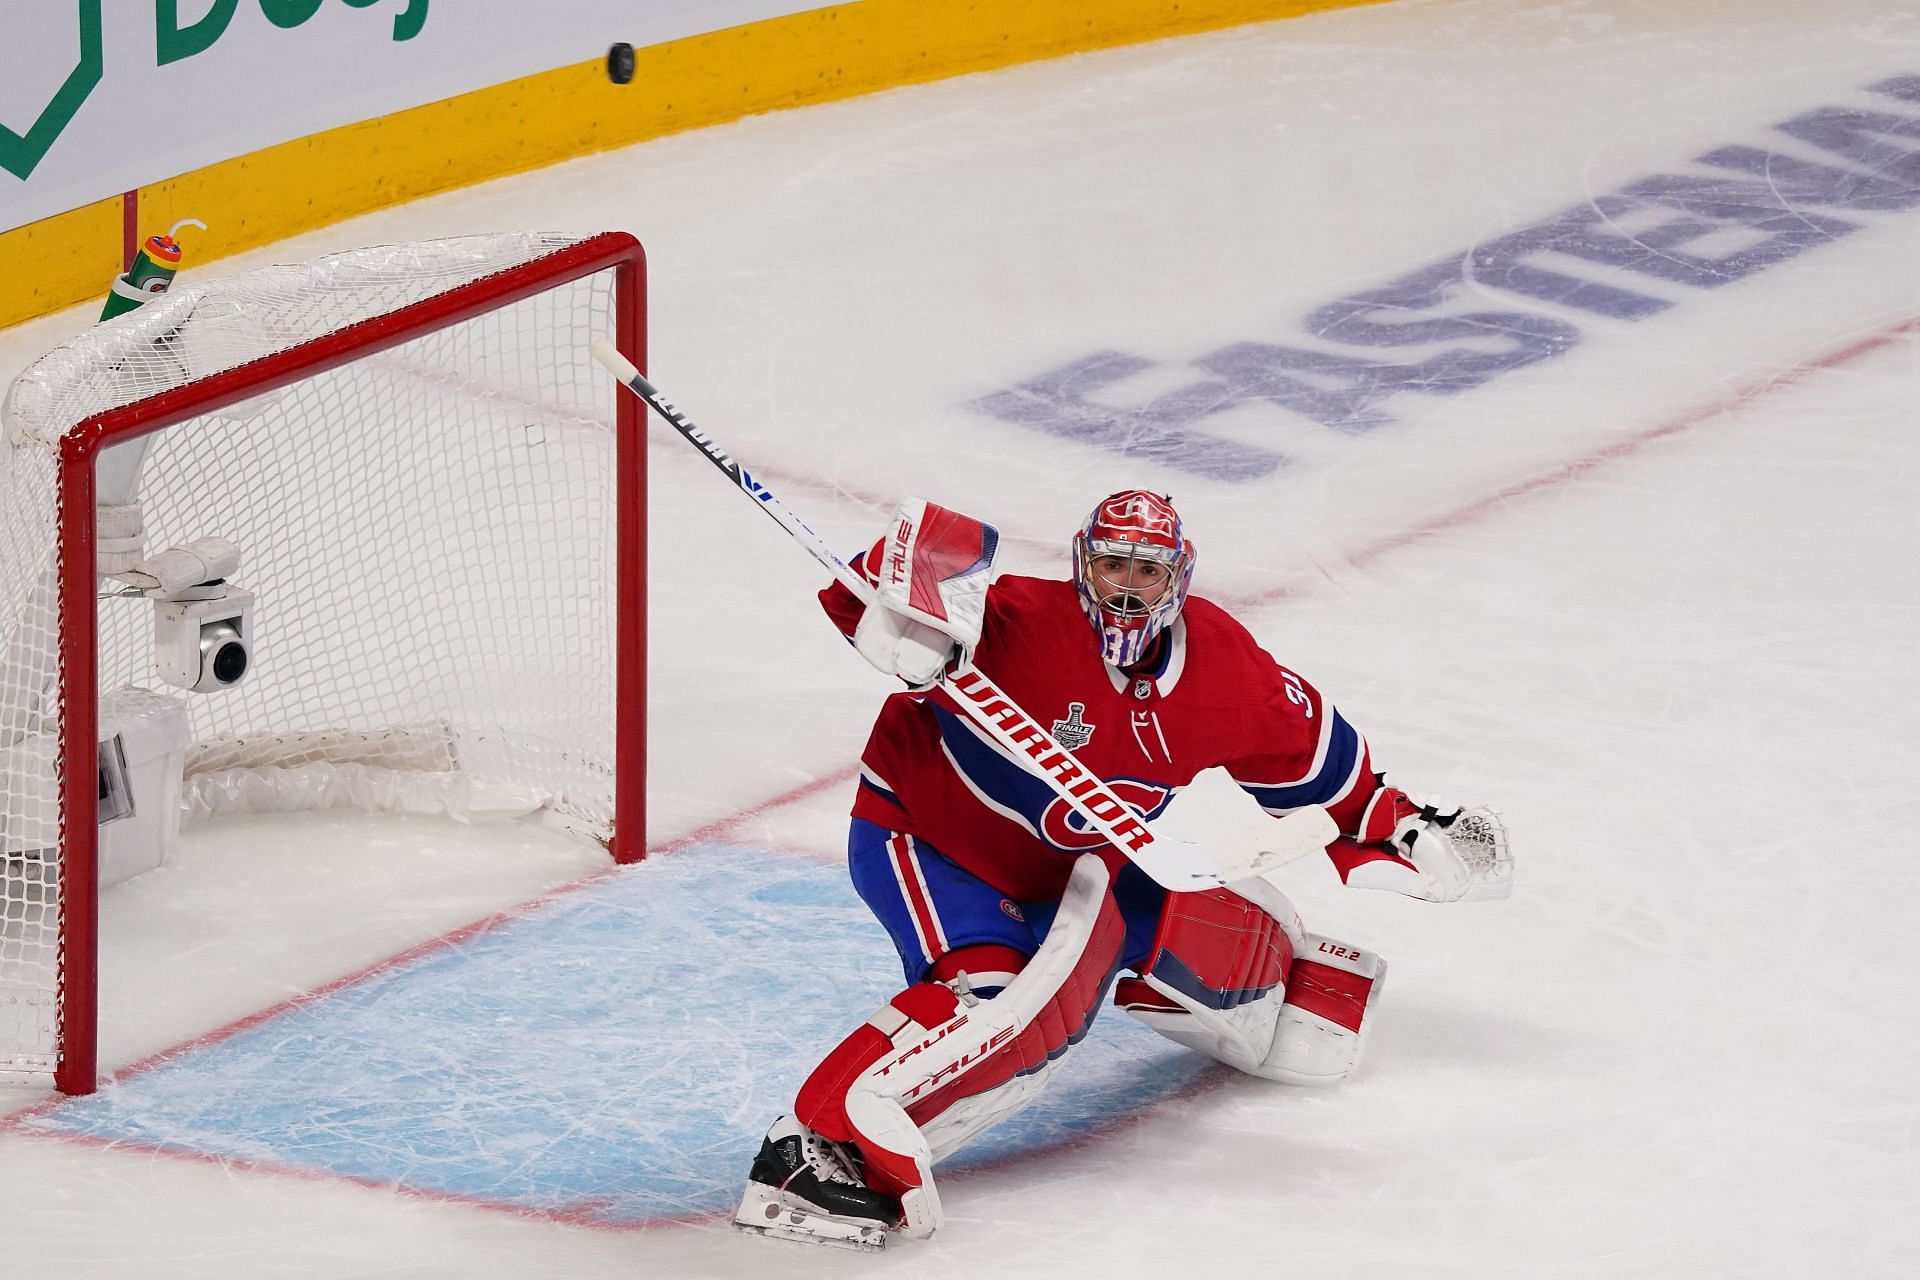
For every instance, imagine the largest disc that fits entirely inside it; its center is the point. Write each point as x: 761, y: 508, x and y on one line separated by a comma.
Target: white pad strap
x: 119, y: 536
x: 947, y: 1084
x: 1241, y: 1037
x: 900, y: 646
x: 178, y: 569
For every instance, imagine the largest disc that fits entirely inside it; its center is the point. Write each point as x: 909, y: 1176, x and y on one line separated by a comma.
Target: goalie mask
x: 1131, y: 564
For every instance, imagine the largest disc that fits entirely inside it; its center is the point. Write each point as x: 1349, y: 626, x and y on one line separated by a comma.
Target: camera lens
x: 230, y: 663
x: 223, y: 653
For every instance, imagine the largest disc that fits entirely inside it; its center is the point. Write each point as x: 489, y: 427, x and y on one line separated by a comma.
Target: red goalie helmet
x: 1131, y: 565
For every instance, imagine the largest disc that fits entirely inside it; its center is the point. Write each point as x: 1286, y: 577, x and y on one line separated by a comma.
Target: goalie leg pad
x: 931, y: 1070
x: 1225, y: 947
x: 1233, y: 975
x: 1323, y: 1023
x: 1214, y: 977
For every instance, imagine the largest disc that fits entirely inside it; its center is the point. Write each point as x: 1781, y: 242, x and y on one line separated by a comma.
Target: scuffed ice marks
x: 612, y: 1056
x: 1629, y: 255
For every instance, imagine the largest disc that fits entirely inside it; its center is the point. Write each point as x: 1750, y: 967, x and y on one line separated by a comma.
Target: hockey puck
x: 620, y: 63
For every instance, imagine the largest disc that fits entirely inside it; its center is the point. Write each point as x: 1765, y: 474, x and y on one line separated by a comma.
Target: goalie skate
x: 769, y: 1211
x: 803, y: 1187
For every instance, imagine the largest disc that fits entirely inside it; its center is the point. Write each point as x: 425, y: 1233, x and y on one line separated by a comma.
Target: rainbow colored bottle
x: 151, y: 274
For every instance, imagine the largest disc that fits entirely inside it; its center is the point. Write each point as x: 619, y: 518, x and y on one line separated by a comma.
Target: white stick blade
x: 1179, y: 865
x: 1304, y: 831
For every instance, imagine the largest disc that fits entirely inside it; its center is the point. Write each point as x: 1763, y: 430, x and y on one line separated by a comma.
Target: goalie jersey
x: 1209, y: 696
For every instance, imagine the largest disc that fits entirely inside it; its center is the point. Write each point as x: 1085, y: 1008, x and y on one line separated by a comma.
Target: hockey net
x: 439, y: 504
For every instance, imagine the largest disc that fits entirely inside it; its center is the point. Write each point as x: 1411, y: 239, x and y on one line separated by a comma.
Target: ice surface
x: 590, y: 1060
x: 1649, y: 591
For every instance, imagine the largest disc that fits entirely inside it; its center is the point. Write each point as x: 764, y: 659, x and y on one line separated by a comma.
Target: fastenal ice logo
x: 1364, y: 360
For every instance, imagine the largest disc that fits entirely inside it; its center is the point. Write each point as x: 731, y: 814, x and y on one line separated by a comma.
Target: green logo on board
x: 21, y: 153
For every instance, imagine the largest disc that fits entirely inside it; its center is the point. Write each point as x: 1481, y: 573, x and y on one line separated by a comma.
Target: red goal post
x: 438, y: 500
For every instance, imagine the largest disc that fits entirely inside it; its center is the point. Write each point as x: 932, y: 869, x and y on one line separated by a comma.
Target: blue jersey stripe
x: 992, y: 774
x: 869, y: 784
x: 1327, y: 782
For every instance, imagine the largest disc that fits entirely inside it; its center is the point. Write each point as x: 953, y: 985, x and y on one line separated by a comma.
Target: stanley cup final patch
x: 1073, y: 733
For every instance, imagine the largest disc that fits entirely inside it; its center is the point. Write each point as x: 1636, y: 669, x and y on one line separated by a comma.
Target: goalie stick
x: 1174, y: 864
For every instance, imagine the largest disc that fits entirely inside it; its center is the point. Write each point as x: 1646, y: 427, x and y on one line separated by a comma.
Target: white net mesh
x: 29, y: 815
x: 430, y: 532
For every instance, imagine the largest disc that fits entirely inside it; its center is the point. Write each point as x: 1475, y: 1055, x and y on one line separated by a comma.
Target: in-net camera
x: 202, y: 623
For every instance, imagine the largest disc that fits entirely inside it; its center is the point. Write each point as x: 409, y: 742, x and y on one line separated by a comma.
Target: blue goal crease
x: 615, y: 1054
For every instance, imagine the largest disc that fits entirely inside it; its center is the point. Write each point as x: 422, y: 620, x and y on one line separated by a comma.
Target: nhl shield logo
x: 1073, y: 732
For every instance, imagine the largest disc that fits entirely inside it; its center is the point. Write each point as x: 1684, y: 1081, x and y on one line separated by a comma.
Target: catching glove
x: 1454, y: 854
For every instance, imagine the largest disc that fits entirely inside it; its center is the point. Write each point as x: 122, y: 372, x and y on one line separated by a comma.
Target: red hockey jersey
x: 1214, y: 697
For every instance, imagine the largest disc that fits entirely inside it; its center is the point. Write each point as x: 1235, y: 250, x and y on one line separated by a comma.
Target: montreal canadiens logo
x: 1140, y: 511
x: 1064, y: 829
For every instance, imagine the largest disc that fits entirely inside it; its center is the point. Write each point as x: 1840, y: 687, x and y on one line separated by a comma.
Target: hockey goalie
x: 1015, y: 920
